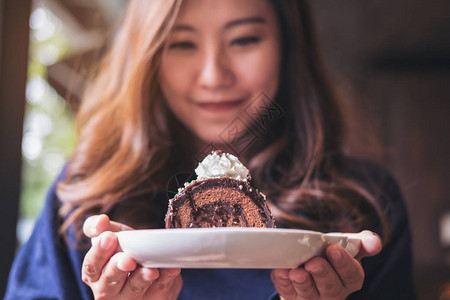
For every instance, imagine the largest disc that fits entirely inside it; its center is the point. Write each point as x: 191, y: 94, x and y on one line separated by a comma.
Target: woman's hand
x: 333, y: 278
x: 113, y: 275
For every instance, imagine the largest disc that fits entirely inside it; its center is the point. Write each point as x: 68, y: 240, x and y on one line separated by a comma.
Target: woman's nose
x: 215, y: 70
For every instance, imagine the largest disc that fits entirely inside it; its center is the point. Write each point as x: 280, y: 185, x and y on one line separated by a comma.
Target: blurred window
x: 48, y: 135
x: 66, y: 39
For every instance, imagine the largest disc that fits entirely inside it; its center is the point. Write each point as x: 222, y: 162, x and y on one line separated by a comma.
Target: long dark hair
x: 129, y: 142
x: 302, y: 165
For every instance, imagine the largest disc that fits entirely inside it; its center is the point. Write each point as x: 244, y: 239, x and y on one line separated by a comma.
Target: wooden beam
x: 14, y: 38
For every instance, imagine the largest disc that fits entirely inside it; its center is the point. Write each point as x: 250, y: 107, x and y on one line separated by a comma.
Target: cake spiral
x: 221, y: 196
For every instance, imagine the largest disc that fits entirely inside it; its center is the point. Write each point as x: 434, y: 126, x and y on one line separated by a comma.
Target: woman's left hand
x: 332, y: 278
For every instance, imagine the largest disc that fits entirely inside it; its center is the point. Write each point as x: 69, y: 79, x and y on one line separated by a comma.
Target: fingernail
x: 316, y: 269
x: 336, y: 255
x: 283, y: 274
x: 106, y: 242
x: 301, y: 279
x: 122, y: 266
x: 376, y: 235
x: 124, y: 262
x: 93, y: 228
x: 147, y: 276
x: 174, y: 272
x: 96, y: 223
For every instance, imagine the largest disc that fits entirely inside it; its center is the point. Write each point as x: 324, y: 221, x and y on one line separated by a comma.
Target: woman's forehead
x: 224, y: 13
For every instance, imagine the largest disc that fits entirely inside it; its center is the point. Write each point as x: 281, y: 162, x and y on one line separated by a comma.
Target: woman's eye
x: 244, y: 41
x: 182, y: 45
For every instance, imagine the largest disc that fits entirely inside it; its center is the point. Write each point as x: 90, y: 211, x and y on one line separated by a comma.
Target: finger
x: 114, y: 274
x: 116, y: 227
x: 95, y: 225
x: 162, y: 287
x: 282, y: 283
x: 101, y: 251
x: 370, y: 244
x: 303, y: 284
x: 327, y: 281
x: 348, y: 269
x: 176, y: 288
x: 138, y: 282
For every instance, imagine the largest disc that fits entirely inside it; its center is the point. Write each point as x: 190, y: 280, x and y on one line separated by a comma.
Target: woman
x: 185, y: 76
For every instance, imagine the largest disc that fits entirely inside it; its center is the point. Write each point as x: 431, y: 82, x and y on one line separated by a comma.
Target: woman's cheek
x: 260, y: 71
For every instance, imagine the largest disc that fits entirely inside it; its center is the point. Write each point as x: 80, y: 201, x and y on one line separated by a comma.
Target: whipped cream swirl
x: 218, y: 164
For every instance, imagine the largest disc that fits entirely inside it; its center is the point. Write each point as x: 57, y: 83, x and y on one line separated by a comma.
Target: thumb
x: 95, y: 225
x: 370, y: 244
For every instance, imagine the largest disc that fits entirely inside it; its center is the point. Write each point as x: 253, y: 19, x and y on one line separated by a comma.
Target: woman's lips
x: 219, y: 106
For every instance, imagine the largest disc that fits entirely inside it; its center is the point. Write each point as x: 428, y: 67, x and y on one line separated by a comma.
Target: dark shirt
x: 46, y: 267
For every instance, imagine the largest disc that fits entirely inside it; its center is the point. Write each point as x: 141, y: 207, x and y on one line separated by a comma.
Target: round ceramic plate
x: 231, y: 247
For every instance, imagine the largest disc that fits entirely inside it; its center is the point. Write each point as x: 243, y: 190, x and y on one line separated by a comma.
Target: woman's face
x: 218, y: 59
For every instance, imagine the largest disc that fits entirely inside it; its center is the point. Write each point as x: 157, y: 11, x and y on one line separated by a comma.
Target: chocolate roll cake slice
x: 221, y: 196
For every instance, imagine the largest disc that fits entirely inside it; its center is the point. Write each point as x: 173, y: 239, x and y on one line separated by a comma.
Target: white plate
x: 230, y: 247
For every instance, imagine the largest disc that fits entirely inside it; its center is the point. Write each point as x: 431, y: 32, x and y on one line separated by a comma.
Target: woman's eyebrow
x: 250, y: 20
x: 182, y: 27
x: 242, y: 21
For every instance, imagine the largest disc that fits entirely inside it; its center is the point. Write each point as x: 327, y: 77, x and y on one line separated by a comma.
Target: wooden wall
x: 14, y: 15
x: 396, y: 57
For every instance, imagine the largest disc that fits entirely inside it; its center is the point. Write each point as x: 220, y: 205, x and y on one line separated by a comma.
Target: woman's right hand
x: 113, y: 275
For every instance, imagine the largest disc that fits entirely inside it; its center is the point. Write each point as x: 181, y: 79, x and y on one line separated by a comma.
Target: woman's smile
x: 220, y: 106
x: 219, y: 56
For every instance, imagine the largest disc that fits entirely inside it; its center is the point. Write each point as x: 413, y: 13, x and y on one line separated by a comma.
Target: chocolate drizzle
x: 218, y: 214
x: 205, y: 204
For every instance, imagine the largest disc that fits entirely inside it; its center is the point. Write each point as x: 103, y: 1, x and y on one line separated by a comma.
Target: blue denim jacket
x: 45, y: 267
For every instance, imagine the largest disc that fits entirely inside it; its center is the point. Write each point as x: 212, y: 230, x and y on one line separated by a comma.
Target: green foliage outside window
x: 49, y: 135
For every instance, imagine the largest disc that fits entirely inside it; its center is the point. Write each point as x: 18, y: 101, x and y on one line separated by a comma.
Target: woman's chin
x: 214, y: 142
x: 231, y: 138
